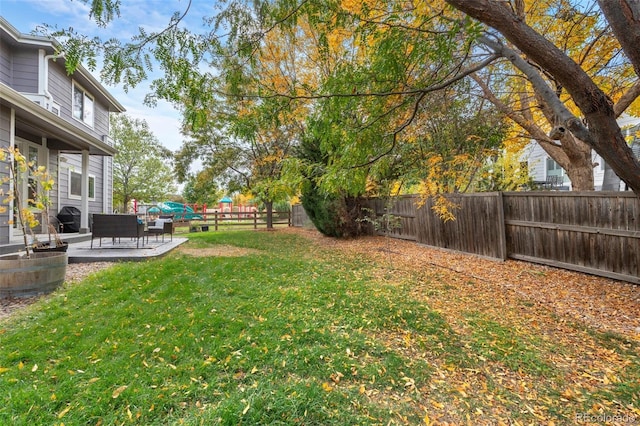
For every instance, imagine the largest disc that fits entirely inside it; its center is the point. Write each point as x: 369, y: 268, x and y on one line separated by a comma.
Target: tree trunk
x: 580, y: 165
x: 603, y: 132
x: 581, y: 178
x: 269, y: 206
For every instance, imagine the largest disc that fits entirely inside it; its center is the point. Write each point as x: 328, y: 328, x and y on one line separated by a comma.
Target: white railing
x: 44, y: 101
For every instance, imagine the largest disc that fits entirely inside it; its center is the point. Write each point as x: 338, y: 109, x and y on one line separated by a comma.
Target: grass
x: 288, y: 334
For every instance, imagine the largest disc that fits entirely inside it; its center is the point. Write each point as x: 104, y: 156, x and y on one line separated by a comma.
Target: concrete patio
x: 122, y: 250
x: 118, y: 250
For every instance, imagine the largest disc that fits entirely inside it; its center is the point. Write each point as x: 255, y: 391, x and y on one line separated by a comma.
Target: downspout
x: 45, y: 80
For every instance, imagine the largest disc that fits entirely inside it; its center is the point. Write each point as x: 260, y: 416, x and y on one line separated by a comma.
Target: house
x: 58, y: 120
x: 542, y: 168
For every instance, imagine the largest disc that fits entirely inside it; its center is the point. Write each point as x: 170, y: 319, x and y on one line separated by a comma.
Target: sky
x: 163, y: 120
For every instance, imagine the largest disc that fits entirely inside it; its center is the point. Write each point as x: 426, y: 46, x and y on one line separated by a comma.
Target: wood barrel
x: 23, y: 277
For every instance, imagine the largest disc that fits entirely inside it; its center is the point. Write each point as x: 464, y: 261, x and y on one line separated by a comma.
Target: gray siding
x: 6, y: 61
x: 52, y: 168
x: 25, y: 71
x: 61, y: 88
x: 101, y: 126
x: 108, y: 188
x: 5, y: 118
x: 74, y: 162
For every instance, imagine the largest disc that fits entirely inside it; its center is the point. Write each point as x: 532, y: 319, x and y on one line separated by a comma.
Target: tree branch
x: 542, y: 88
x: 627, y: 99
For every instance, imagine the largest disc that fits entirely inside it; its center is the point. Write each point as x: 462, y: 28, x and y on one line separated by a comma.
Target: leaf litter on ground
x: 545, y: 342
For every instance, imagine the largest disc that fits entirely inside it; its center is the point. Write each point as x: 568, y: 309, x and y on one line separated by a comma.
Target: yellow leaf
x: 437, y: 404
x: 3, y: 370
x: 20, y: 365
x: 34, y: 368
x: 246, y: 409
x: 327, y: 387
x: 63, y: 412
x: 117, y: 392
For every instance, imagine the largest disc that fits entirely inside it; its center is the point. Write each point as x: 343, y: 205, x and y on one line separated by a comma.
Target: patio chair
x: 160, y: 227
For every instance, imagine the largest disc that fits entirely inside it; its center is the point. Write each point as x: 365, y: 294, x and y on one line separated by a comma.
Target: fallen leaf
x: 63, y: 412
x: 116, y: 393
x: 327, y: 387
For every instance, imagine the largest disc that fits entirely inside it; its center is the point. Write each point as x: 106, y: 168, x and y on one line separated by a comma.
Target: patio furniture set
x: 129, y: 226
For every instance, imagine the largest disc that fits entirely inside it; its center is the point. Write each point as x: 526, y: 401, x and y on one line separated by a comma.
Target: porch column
x: 84, y: 191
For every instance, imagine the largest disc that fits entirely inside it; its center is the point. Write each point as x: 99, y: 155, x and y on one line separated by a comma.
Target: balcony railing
x: 44, y: 102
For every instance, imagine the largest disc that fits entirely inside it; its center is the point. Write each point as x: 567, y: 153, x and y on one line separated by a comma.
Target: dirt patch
x: 218, y: 251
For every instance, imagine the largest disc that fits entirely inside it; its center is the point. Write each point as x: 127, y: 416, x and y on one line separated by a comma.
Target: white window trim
x: 85, y: 93
x: 79, y: 197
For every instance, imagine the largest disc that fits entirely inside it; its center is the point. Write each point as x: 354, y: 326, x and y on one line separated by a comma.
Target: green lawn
x: 289, y: 333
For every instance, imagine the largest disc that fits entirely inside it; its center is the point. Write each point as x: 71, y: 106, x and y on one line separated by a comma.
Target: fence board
x: 478, y: 227
x: 593, y: 232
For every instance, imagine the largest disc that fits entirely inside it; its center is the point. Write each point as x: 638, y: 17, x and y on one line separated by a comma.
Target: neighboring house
x: 59, y: 120
x: 545, y: 171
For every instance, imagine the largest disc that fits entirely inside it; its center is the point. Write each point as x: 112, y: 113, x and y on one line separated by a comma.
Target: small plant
x: 385, y: 223
x: 42, y: 202
x: 18, y: 167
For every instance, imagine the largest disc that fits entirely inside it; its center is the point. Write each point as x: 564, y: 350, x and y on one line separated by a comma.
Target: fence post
x: 502, y: 226
x: 255, y: 220
x: 215, y: 220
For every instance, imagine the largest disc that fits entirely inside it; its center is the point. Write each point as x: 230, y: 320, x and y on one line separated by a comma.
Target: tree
x: 599, y: 128
x: 201, y: 188
x: 140, y: 169
x: 242, y: 155
x: 398, y: 52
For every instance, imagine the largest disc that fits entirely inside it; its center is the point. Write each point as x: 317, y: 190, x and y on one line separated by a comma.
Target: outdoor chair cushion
x: 160, y: 227
x: 159, y: 223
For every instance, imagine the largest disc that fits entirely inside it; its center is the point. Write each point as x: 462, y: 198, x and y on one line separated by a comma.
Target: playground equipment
x: 178, y: 210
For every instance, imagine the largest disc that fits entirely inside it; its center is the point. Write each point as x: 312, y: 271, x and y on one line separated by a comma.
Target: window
x: 555, y: 173
x: 553, y: 168
x: 75, y: 186
x: 82, y: 105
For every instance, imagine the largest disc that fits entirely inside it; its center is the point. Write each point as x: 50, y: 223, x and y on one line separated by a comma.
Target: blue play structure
x: 178, y: 210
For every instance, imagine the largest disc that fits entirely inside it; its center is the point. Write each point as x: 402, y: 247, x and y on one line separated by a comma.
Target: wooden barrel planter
x: 23, y: 277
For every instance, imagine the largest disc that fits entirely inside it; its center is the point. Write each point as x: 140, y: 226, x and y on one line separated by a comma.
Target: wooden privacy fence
x: 592, y: 232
